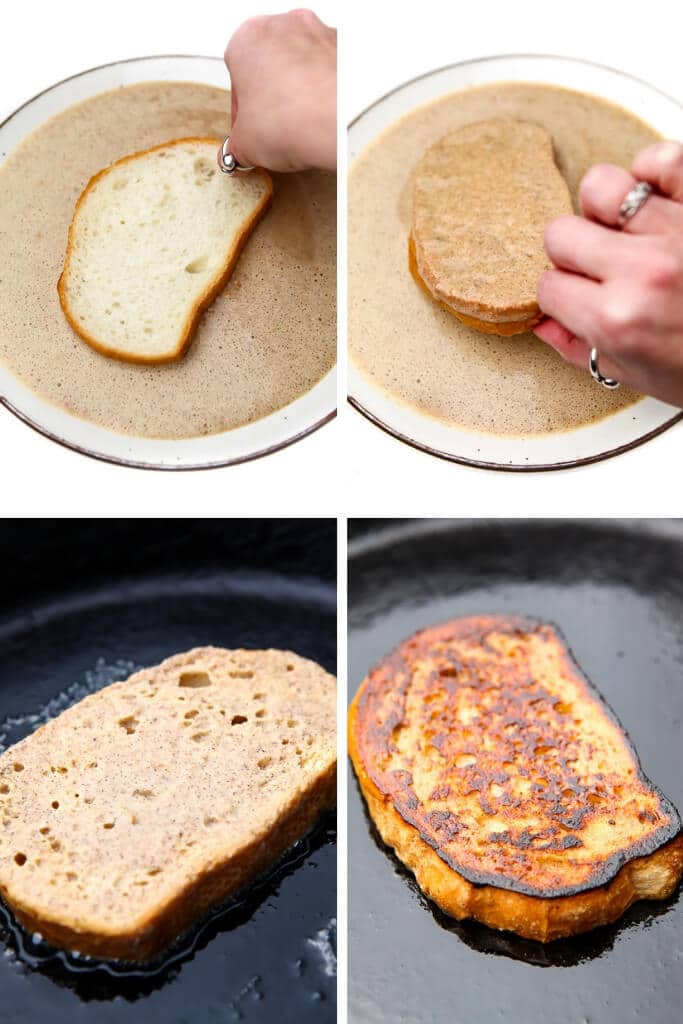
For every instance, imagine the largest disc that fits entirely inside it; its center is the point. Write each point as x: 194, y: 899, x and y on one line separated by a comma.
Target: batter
x: 265, y: 341
x: 423, y: 356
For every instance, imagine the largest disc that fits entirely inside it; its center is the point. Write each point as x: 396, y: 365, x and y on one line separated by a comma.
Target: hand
x: 621, y: 291
x: 283, y: 74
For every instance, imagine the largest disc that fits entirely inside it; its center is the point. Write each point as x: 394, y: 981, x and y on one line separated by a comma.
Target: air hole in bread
x: 154, y: 871
x: 238, y: 719
x: 129, y: 723
x: 464, y: 760
x: 146, y: 793
x: 198, y: 265
x: 18, y: 767
x: 191, y: 714
x: 290, y: 668
x: 291, y: 722
x: 543, y: 748
x: 108, y: 824
x: 209, y: 819
x: 263, y: 762
x: 4, y: 788
x: 194, y: 679
x: 241, y: 674
x: 20, y: 859
x: 197, y: 736
x: 44, y: 831
x: 55, y: 804
x: 260, y: 713
x: 120, y: 183
x: 259, y: 696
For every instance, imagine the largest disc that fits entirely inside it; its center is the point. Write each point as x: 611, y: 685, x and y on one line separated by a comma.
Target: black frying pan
x: 616, y: 590
x: 75, y: 592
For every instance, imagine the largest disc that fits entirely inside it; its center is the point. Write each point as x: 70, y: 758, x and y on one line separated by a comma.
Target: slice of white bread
x: 153, y: 240
x: 138, y: 809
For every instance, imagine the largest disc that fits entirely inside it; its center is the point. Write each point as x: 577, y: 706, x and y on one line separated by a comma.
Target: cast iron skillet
x: 616, y: 590
x: 80, y: 601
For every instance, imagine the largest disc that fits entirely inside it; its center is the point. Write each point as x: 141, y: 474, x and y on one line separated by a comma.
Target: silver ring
x: 634, y: 199
x: 228, y: 163
x: 607, y: 382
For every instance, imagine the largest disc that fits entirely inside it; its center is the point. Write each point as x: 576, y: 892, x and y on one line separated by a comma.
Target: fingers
x: 575, y: 350
x: 584, y: 247
x: 662, y: 165
x: 603, y: 190
x: 571, y: 299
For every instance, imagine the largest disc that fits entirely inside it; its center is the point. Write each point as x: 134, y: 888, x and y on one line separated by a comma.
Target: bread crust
x: 515, y: 908
x: 213, y: 289
x: 503, y: 328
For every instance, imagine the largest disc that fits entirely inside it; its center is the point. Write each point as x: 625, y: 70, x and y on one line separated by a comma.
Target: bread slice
x: 482, y: 198
x: 502, y: 779
x: 138, y: 809
x: 153, y: 240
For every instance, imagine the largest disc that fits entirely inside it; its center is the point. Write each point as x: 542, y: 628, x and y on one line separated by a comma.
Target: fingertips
x: 602, y: 192
x: 662, y: 165
x: 572, y: 349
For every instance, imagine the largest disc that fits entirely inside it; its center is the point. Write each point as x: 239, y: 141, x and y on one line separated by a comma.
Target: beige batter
x: 266, y: 340
x: 423, y: 356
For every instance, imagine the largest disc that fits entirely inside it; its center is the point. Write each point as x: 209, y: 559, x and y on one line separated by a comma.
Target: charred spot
x: 444, y: 822
x: 441, y: 792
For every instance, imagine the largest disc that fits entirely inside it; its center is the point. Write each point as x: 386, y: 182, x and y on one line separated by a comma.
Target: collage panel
x: 169, y: 295
x: 168, y: 770
x: 515, y: 261
x: 514, y: 848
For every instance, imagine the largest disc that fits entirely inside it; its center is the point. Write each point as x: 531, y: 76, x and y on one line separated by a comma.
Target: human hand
x: 283, y: 74
x: 621, y: 291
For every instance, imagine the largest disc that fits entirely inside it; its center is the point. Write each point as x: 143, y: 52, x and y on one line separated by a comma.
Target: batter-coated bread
x: 131, y: 814
x: 505, y: 783
x: 483, y: 196
x: 153, y: 240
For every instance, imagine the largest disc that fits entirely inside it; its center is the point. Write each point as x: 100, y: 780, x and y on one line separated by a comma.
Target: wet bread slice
x: 153, y: 240
x: 134, y: 812
x: 503, y: 780
x: 483, y: 196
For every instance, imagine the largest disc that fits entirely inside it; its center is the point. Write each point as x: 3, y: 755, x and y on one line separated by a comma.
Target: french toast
x: 482, y: 198
x: 148, y: 803
x: 505, y: 783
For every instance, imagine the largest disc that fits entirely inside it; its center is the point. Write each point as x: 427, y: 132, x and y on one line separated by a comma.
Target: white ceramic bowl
x: 619, y: 432
x: 266, y: 435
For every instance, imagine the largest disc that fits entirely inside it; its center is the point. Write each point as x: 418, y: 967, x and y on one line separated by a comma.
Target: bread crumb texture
x: 136, y: 810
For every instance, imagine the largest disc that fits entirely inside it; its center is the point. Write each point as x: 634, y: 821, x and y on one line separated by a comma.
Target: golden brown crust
x: 201, y: 894
x: 426, y: 839
x: 504, y: 329
x: 213, y: 289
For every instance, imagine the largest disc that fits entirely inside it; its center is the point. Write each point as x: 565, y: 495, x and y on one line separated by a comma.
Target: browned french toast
x: 505, y: 783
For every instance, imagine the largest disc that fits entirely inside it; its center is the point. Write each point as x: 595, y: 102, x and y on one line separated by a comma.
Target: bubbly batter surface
x: 266, y: 340
x: 423, y: 356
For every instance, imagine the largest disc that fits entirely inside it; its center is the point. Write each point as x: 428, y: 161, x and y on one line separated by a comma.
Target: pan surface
x: 616, y: 590
x: 82, y: 603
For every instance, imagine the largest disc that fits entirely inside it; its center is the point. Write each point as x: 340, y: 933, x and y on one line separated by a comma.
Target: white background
x: 382, y: 51
x: 40, y: 44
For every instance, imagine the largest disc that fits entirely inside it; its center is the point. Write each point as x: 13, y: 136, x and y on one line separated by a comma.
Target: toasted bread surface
x: 504, y: 781
x: 482, y: 198
x: 134, y: 812
x: 153, y: 240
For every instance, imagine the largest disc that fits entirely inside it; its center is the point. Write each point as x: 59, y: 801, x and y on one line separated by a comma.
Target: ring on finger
x: 633, y: 201
x: 607, y: 382
x: 229, y: 164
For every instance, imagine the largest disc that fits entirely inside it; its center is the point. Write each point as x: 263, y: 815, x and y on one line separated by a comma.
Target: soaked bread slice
x: 153, y: 240
x: 504, y: 782
x: 131, y: 814
x: 482, y: 198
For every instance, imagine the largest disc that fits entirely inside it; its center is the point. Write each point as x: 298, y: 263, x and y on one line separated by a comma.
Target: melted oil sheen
x: 419, y: 354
